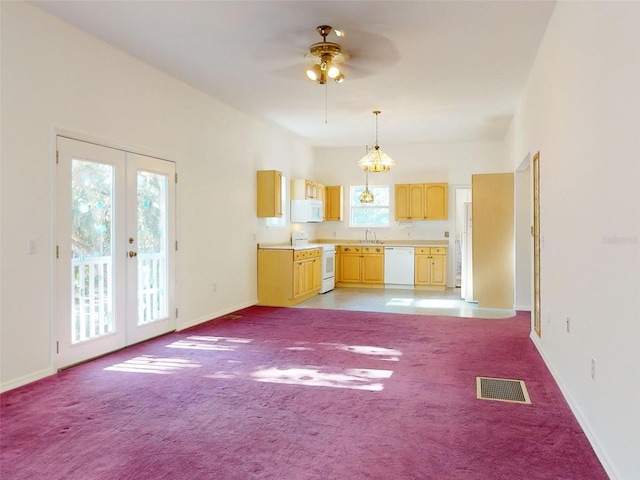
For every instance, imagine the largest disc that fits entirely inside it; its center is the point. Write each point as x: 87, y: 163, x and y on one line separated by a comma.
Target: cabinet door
x: 438, y: 270
x: 403, y: 209
x: 422, y: 270
x: 372, y: 268
x: 298, y: 278
x: 269, y: 193
x: 308, y: 274
x: 317, y: 274
x: 416, y: 201
x: 309, y: 189
x: 350, y: 267
x: 333, y: 203
x: 436, y: 200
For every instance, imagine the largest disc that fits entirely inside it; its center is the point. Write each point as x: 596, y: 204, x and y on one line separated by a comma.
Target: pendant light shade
x: 376, y: 160
x: 367, y: 195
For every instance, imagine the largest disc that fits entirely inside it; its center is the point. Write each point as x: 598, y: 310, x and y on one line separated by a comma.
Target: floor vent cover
x: 232, y: 316
x: 502, y: 390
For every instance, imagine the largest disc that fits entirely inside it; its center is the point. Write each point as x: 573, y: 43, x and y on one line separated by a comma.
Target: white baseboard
x: 211, y: 316
x: 523, y: 308
x: 32, y: 377
x: 608, y: 466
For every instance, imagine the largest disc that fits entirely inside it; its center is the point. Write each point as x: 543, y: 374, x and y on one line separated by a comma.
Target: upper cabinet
x: 302, y: 189
x: 333, y: 198
x: 421, y: 201
x: 269, y: 193
x: 435, y: 201
x: 409, y: 201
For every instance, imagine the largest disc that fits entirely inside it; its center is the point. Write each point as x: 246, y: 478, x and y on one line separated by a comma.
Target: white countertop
x: 286, y: 246
x: 422, y: 243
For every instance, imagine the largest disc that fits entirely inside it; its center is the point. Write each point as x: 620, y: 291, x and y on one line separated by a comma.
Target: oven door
x: 328, y: 263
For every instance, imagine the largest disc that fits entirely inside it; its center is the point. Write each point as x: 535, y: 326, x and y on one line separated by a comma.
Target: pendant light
x: 366, y: 196
x: 376, y: 160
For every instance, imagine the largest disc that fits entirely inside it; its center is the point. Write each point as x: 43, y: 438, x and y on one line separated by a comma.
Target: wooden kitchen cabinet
x: 409, y: 201
x: 436, y: 199
x: 333, y: 198
x: 431, y: 267
x: 302, y: 189
x: 421, y: 201
x: 362, y: 266
x: 269, y: 193
x: 287, y: 277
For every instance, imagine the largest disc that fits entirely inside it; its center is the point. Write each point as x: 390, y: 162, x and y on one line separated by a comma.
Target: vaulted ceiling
x: 439, y: 71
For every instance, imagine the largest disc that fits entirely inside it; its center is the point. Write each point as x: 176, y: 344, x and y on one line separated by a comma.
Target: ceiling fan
x: 327, y: 57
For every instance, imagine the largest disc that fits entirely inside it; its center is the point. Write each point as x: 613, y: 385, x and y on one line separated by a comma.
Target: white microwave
x: 306, y: 211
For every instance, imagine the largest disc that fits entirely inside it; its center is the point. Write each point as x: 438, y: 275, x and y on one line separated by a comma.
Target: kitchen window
x: 374, y: 214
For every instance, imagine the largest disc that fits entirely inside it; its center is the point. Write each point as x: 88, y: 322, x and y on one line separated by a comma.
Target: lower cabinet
x: 431, y: 267
x: 361, y: 266
x: 287, y: 277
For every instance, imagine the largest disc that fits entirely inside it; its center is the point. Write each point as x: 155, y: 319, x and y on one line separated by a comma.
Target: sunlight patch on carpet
x: 154, y: 365
x: 353, y: 378
x: 380, y: 353
x: 502, y: 390
x: 198, y: 342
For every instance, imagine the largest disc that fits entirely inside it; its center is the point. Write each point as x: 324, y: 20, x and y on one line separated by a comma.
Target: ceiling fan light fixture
x: 314, y: 73
x: 326, y: 55
x: 339, y: 78
x: 376, y: 160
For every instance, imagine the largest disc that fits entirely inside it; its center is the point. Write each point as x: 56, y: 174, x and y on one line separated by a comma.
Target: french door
x: 115, y: 250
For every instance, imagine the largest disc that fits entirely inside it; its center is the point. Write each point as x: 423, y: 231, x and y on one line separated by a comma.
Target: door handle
x: 133, y: 254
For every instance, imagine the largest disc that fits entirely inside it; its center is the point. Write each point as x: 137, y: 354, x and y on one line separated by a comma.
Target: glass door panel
x: 92, y: 253
x: 152, y: 247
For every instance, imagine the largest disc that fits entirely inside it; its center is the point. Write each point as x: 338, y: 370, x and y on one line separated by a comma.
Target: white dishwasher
x: 398, y: 266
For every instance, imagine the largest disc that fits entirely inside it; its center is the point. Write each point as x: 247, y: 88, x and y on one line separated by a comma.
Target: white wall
x: 57, y: 77
x: 581, y: 110
x: 427, y: 163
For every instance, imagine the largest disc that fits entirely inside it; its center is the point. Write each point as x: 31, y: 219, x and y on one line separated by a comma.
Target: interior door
x: 99, y: 293
x: 536, y: 244
x: 493, y: 239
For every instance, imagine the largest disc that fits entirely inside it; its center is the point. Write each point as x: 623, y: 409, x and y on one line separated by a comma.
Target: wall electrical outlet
x: 446, y: 234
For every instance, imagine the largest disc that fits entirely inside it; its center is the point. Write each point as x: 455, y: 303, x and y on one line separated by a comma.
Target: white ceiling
x: 440, y: 71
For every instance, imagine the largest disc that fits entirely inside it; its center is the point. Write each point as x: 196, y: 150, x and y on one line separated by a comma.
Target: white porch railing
x: 92, y: 279
x: 92, y: 314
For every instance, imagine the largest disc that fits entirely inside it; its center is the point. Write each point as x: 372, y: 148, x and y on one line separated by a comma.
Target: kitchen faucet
x: 366, y: 235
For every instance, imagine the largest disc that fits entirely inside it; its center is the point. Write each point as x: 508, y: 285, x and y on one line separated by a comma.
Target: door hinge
x: 176, y: 178
x: 176, y: 312
x: 57, y: 157
x: 57, y: 251
x: 57, y: 346
x: 176, y: 245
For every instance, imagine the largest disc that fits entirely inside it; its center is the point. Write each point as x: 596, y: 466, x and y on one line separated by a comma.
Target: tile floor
x: 410, y: 301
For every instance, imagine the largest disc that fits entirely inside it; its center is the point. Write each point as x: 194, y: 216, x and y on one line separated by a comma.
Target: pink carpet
x: 300, y: 394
